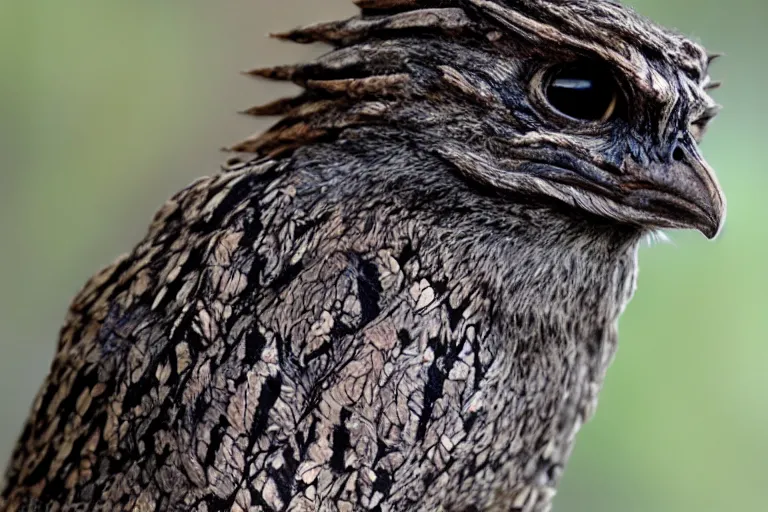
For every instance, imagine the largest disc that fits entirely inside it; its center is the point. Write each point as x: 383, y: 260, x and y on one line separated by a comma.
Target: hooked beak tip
x: 712, y: 224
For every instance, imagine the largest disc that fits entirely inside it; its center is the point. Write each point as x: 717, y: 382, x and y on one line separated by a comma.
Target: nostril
x: 678, y: 154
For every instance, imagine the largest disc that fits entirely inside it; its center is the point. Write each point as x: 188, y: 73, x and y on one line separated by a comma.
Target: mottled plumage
x: 407, y: 299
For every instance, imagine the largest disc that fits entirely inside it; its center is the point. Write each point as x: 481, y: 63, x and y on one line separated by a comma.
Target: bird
x: 404, y: 295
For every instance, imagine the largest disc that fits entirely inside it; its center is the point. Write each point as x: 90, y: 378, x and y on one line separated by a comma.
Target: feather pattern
x: 404, y: 294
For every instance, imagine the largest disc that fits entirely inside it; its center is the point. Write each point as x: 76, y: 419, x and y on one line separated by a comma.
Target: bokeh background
x: 107, y: 108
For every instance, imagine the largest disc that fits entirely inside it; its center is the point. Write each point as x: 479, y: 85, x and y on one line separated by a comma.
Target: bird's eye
x: 585, y: 91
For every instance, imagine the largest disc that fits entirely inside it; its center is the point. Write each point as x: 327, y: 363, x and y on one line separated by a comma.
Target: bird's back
x: 264, y: 347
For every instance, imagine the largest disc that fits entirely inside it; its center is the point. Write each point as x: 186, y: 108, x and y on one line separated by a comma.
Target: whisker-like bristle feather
x: 356, y: 29
x: 711, y: 57
x: 274, y: 73
x: 387, y: 4
x: 311, y: 121
x: 713, y: 85
x: 354, y: 61
x: 278, y: 107
x: 382, y: 85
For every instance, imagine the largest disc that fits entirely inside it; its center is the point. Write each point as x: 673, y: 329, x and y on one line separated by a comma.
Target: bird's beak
x: 681, y: 193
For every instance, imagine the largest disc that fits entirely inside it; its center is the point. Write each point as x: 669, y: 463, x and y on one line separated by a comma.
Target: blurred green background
x: 106, y: 108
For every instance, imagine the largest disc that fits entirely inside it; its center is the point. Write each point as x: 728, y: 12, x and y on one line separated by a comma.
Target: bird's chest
x: 534, y: 400
x: 475, y: 404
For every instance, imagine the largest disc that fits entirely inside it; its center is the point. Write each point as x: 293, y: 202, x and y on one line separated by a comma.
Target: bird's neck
x: 530, y: 289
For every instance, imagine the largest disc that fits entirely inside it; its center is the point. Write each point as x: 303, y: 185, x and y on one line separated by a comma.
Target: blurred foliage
x: 106, y: 108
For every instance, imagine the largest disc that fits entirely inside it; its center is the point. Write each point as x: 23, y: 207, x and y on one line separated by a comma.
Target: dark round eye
x: 585, y: 91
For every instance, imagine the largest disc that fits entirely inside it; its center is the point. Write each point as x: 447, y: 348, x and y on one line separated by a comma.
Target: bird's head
x: 582, y: 101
